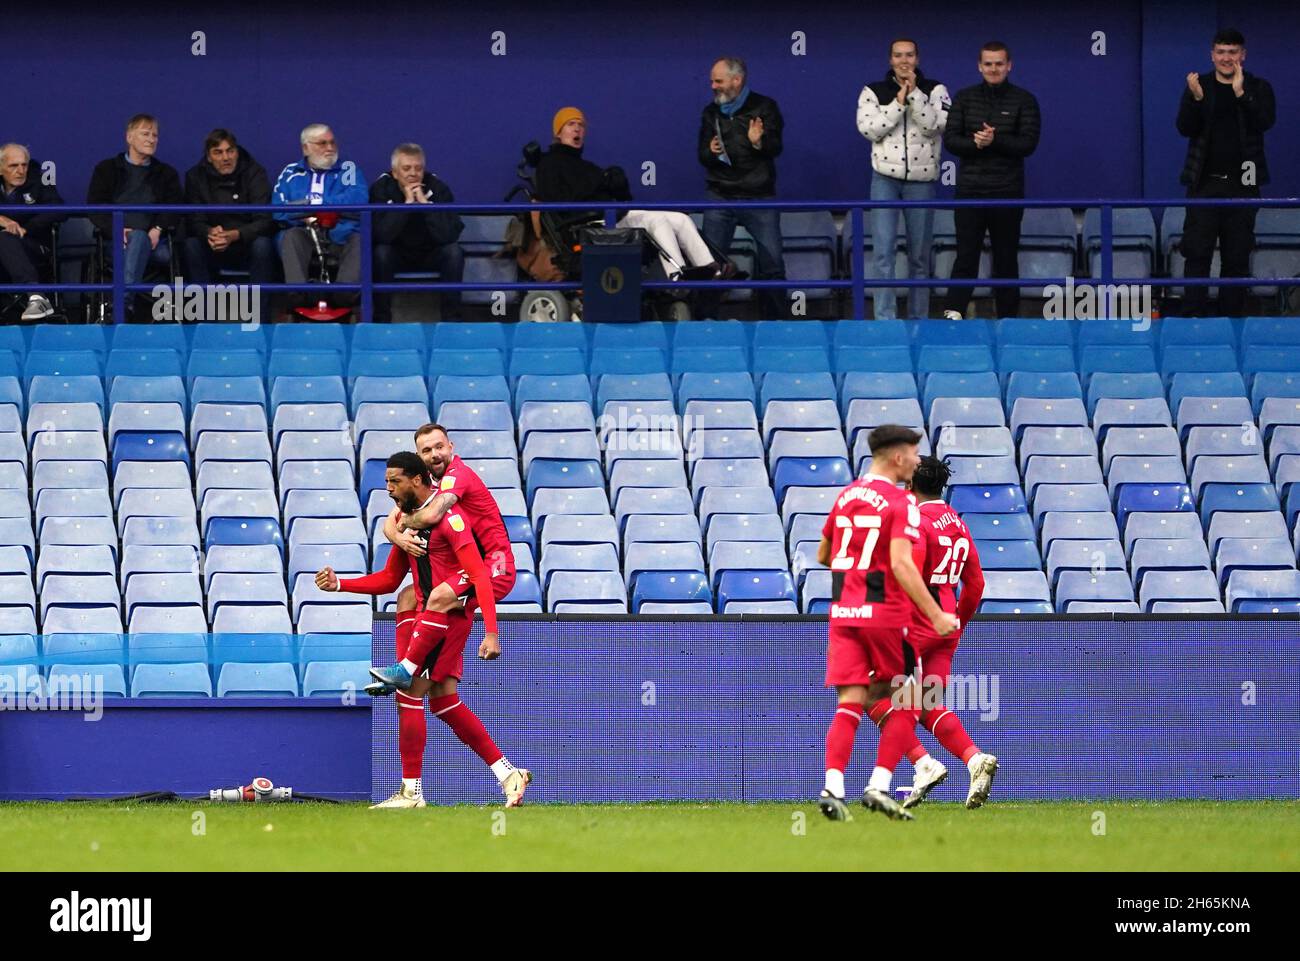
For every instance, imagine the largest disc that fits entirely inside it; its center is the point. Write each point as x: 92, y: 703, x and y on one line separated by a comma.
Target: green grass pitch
x: 1138, y: 836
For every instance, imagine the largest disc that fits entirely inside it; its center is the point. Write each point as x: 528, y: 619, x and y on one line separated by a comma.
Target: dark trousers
x: 19, y: 257
x: 259, y: 258
x: 764, y: 226
x: 1003, y: 227
x: 1234, y: 229
x: 448, y: 261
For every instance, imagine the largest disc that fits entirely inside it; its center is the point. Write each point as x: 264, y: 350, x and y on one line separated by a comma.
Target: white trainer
x: 514, y: 786
x: 924, y: 781
x: 401, y: 799
x: 982, y: 768
x: 38, y: 308
x: 952, y: 315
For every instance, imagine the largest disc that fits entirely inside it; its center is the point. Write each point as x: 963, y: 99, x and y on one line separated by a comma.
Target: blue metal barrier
x: 857, y: 283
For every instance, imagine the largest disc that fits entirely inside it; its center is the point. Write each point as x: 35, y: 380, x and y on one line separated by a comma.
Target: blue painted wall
x: 76, y: 71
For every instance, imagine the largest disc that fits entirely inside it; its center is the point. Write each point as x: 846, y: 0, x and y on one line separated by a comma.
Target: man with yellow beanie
x: 564, y: 176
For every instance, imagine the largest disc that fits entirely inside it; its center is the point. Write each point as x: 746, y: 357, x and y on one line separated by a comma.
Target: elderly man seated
x: 26, y: 238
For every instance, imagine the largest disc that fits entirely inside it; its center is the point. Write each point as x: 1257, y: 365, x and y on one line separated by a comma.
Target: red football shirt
x: 867, y: 516
x: 946, y: 556
x: 476, y: 503
x: 439, y: 564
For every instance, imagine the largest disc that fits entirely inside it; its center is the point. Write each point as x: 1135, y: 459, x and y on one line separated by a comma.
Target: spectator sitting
x: 563, y: 176
x: 227, y: 175
x: 415, y: 240
x: 319, y: 178
x: 138, y: 177
x: 26, y: 238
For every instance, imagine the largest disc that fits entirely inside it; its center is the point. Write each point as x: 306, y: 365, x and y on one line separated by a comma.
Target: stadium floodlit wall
x: 474, y: 82
x: 644, y: 709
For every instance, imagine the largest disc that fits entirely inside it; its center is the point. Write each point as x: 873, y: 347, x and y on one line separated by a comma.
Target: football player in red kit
x: 946, y: 557
x: 432, y: 662
x: 867, y: 543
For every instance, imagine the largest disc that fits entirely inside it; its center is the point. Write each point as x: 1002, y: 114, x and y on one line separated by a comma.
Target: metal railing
x: 857, y: 282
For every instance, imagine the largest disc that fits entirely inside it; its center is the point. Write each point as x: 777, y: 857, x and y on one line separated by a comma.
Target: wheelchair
x: 548, y: 246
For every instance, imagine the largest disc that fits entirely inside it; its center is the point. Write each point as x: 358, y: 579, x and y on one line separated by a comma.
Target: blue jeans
x: 139, y: 255
x: 884, y: 240
x: 765, y: 227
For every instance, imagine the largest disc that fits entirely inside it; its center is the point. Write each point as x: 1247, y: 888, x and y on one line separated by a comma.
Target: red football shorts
x: 447, y: 659
x: 502, y: 584
x: 865, y: 655
x: 934, y: 652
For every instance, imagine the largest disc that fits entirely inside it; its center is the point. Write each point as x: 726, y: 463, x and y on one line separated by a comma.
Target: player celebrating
x: 946, y: 557
x: 458, y: 486
x: 872, y: 530
x: 432, y: 662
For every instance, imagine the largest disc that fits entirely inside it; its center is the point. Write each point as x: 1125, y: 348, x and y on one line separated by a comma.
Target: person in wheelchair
x: 565, y: 176
x: 26, y: 239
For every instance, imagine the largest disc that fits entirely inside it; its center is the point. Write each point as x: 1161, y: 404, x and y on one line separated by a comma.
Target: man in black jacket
x: 26, y: 238
x: 138, y: 177
x: 214, y: 240
x: 415, y: 240
x: 739, y: 140
x: 1224, y: 114
x: 992, y: 127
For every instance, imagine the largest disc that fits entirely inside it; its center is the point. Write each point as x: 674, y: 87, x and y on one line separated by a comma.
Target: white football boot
x: 401, y: 799
x: 514, y: 786
x: 982, y: 768
x: 926, y: 779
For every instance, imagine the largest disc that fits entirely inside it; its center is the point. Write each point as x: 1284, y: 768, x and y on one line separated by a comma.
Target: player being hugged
x: 946, y: 557
x: 867, y: 543
x: 432, y: 662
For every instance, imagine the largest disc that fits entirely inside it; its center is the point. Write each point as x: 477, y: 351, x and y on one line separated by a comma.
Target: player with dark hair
x: 946, y: 557
x: 432, y: 662
x: 874, y: 586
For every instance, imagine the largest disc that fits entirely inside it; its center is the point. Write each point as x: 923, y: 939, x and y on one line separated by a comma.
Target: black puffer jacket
x: 40, y: 197
x: 1256, y: 113
x: 997, y: 170
x: 247, y: 184
x: 752, y: 172
x: 563, y: 175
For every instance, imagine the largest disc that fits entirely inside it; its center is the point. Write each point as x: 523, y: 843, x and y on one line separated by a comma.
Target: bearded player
x: 867, y: 543
x: 431, y: 659
x: 946, y: 557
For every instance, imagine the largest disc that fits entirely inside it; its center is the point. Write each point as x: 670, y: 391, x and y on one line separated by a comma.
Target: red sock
x: 947, y: 727
x: 430, y: 630
x: 411, y: 733
x: 405, y: 624
x: 916, y: 752
x: 451, y: 710
x: 896, y: 737
x: 839, y: 738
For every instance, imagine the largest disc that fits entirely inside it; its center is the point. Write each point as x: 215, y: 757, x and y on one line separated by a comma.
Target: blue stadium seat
x: 1275, y: 587
x: 627, y: 361
x: 803, y: 359
x: 1057, y: 441
x: 977, y: 385
x: 168, y: 619
x: 1159, y: 442
x: 711, y: 359
x: 654, y: 590
x: 1251, y: 553
x: 1212, y: 412
x: 997, y: 499
x: 394, y: 390
x: 1128, y: 359
x: 645, y: 473
x: 1009, y: 555
x: 810, y: 472
x: 147, y: 390
x: 588, y: 500
x: 1177, y: 586
x: 89, y: 648
x: 1230, y: 472
x: 709, y: 333
x: 576, y: 557
x: 1148, y: 498
x: 66, y: 389
x: 1181, y: 526
x: 335, y: 678
x: 311, y: 364
x: 1078, y: 525
x: 715, y: 385
x: 804, y: 415
x: 1042, y: 386
x: 733, y: 500
x: 1170, y: 554
x: 998, y: 527
x: 312, y: 417
x: 470, y: 363
x: 661, y: 528
x: 376, y: 365
x: 160, y: 531
x: 963, y: 411
x: 171, y: 680
x: 983, y: 471
x: 873, y: 386
x: 580, y: 589
x: 738, y: 586
x: 554, y: 337
x: 719, y: 415
x: 648, y: 333
x: 69, y: 680
x: 547, y: 361
x: 1017, y: 586
x: 224, y: 363
x: 779, y: 384
x: 1245, y: 524
x: 1037, y: 359
x: 131, y: 445
x: 1204, y: 385
x: 975, y: 442
x: 224, y: 336
x: 257, y: 680
x: 1278, y: 390
x: 1106, y: 585
x: 228, y: 390
x: 145, y: 417
x: 552, y: 473
x: 848, y: 361
x: 866, y: 414
x: 549, y: 389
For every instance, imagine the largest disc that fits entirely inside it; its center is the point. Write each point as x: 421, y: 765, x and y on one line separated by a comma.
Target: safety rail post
x: 856, y: 268
x: 1107, y: 255
x: 116, y: 245
x: 367, y: 270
